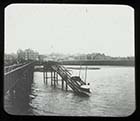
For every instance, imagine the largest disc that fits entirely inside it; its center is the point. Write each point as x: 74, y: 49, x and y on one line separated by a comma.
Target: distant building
x: 31, y: 55
x: 26, y: 55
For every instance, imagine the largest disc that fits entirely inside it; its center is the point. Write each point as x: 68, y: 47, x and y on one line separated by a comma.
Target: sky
x: 70, y: 28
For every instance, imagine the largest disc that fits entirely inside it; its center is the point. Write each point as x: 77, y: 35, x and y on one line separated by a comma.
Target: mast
x: 87, y: 67
x: 85, y: 74
x: 80, y: 67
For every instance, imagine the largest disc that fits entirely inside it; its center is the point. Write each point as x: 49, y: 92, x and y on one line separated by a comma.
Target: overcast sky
x: 63, y: 28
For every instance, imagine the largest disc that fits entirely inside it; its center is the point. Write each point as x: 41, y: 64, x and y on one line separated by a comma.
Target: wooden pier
x: 17, y: 84
x: 18, y: 78
x: 57, y: 69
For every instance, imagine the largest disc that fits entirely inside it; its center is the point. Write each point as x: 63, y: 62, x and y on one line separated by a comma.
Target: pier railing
x: 19, y: 78
x: 16, y: 74
x: 11, y: 67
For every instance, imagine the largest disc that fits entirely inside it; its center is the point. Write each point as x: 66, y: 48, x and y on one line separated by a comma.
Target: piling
x: 57, y: 78
x: 51, y: 78
x: 54, y: 79
x: 66, y: 84
x: 46, y: 77
x: 62, y: 83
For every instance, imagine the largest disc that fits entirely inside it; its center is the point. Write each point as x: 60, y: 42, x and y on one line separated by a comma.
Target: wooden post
x: 57, y: 77
x: 62, y: 83
x: 54, y: 79
x: 66, y: 85
x: 43, y: 75
x: 51, y: 78
x: 46, y: 77
x: 31, y: 73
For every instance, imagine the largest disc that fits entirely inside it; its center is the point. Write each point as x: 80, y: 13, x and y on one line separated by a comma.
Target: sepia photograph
x: 69, y: 60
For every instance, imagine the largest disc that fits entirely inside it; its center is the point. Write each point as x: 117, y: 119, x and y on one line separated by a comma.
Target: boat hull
x: 84, y: 93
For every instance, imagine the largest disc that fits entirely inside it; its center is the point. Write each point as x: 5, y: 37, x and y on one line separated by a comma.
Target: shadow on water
x: 17, y: 106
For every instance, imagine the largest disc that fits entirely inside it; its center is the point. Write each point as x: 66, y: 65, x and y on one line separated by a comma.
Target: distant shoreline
x: 81, y: 68
x: 99, y: 63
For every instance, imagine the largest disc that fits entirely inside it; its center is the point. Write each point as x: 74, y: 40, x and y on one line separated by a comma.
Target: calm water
x: 113, y: 94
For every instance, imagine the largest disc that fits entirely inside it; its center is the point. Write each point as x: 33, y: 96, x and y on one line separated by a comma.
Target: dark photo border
x: 4, y: 3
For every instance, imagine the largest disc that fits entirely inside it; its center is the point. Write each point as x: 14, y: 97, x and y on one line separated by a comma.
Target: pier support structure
x: 18, y: 84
